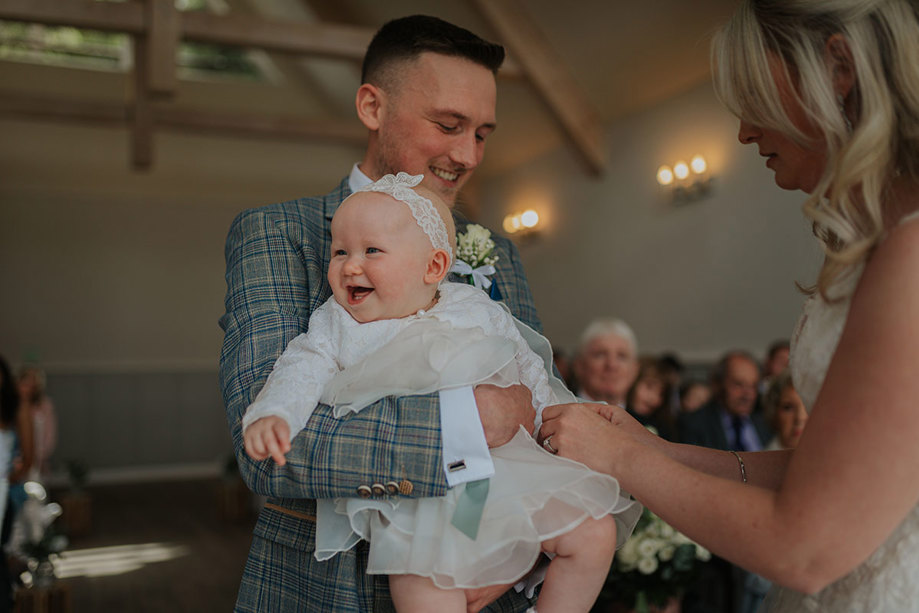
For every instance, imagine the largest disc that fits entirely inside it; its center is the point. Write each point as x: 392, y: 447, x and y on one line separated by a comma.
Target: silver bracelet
x: 743, y: 469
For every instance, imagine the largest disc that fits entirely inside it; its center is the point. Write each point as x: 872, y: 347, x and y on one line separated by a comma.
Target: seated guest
x: 672, y: 370
x: 606, y: 363
x: 727, y: 421
x: 693, y: 395
x: 784, y: 410
x: 646, y: 399
x: 776, y: 361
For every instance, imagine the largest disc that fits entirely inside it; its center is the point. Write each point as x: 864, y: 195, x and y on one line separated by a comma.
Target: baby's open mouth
x: 356, y: 294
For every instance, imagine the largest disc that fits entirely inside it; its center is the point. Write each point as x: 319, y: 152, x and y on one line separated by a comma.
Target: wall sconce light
x: 522, y: 224
x: 688, y: 181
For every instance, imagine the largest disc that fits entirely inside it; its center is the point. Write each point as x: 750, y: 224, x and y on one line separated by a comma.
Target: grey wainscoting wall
x: 140, y: 425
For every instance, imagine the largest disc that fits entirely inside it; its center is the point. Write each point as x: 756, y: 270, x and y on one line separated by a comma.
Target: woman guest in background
x: 694, y: 394
x: 10, y: 423
x: 646, y: 400
x: 829, y: 94
x: 38, y: 407
x: 785, y: 412
x: 786, y: 415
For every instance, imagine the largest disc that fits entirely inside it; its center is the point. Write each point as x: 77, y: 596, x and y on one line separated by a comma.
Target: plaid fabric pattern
x: 277, y: 257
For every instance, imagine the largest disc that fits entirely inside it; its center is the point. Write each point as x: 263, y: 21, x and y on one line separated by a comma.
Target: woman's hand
x: 585, y: 432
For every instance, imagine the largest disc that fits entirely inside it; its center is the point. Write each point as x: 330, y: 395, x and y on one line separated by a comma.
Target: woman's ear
x: 369, y: 104
x: 839, y: 58
x: 438, y: 267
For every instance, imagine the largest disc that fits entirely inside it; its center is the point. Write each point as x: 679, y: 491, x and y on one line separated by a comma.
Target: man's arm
x: 272, y: 285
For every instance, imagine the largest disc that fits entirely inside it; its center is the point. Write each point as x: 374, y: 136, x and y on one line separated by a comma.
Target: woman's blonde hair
x: 882, y: 140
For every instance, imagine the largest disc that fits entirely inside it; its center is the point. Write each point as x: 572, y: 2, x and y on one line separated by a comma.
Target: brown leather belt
x: 291, y: 512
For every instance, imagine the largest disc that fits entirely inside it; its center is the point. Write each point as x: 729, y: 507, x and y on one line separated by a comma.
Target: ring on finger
x: 547, y: 445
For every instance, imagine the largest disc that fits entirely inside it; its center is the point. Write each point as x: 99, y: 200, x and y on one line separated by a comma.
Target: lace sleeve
x: 298, y: 377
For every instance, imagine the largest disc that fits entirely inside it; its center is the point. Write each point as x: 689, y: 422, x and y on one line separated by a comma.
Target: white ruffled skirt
x: 533, y: 496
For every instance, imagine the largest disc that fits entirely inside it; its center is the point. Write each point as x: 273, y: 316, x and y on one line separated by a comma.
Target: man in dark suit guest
x: 728, y: 421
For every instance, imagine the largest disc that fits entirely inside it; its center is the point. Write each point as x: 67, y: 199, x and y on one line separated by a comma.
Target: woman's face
x: 790, y: 417
x: 648, y: 395
x: 795, y: 166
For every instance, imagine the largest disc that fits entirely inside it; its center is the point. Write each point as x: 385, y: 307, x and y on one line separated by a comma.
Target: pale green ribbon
x: 469, y: 507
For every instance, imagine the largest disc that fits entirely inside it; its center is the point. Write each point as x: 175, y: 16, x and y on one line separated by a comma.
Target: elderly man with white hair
x: 606, y: 362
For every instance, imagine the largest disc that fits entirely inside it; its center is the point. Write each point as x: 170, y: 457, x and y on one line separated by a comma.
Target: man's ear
x: 438, y: 267
x: 840, y: 60
x: 369, y: 104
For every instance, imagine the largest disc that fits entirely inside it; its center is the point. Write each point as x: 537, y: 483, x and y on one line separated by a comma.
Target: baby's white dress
x: 888, y: 581
x: 465, y: 339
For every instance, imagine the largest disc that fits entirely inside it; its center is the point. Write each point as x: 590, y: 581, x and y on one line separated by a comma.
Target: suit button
x: 406, y: 487
x: 392, y: 487
x: 378, y: 489
x: 364, y: 491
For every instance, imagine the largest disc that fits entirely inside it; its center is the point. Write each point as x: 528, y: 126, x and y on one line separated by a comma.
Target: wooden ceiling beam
x: 325, y: 40
x: 127, y: 17
x: 580, y: 121
x: 16, y: 106
x: 163, y: 26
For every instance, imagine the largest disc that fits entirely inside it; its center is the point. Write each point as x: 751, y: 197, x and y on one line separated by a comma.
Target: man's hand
x: 503, y: 410
x: 479, y: 598
x: 268, y: 436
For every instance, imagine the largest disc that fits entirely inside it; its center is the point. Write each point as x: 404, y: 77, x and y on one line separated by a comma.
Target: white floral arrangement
x: 33, y: 537
x: 475, y: 256
x: 654, y: 565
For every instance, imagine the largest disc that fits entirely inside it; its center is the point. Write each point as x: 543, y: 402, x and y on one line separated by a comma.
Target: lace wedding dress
x: 887, y: 581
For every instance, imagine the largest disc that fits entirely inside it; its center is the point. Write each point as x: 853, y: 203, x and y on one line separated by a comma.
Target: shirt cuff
x: 466, y: 455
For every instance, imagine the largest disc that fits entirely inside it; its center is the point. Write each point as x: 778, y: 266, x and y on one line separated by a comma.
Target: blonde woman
x: 829, y: 94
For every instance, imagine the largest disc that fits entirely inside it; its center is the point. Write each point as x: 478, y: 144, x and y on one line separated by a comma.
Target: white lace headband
x: 400, y: 187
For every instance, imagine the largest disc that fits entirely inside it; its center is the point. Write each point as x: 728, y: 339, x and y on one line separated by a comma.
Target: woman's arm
x: 850, y: 482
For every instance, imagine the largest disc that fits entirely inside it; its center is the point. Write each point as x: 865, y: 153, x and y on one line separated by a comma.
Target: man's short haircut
x: 776, y: 347
x: 607, y: 326
x: 720, y: 371
x: 408, y: 37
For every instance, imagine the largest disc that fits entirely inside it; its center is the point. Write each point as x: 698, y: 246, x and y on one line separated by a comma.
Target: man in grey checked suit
x: 428, y: 101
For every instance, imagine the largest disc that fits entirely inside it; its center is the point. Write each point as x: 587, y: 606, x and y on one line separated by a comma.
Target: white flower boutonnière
x: 475, y: 257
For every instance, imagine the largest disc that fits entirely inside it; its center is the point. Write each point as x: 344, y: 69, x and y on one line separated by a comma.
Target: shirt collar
x: 357, y: 179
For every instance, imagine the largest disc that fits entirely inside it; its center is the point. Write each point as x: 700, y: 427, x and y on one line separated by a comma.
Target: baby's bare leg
x: 412, y: 593
x: 582, y: 560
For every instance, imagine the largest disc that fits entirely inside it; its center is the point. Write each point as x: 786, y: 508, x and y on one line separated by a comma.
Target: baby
x: 393, y: 327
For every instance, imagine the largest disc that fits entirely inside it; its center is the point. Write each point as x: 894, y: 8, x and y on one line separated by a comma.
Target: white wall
x: 697, y: 278
x: 114, y: 278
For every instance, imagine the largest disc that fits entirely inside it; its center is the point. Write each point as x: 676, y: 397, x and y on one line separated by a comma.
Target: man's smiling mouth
x: 444, y: 174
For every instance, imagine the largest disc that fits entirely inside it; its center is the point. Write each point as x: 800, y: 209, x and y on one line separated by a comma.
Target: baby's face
x: 379, y: 259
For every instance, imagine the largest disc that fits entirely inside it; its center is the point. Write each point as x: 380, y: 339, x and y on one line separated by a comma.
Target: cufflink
x: 364, y: 491
x: 455, y: 466
x: 406, y: 487
x: 378, y: 489
x: 392, y: 487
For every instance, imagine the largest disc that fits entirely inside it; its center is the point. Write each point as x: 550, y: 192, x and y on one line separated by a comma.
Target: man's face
x: 777, y: 363
x: 435, y: 122
x: 739, y: 387
x: 607, y: 367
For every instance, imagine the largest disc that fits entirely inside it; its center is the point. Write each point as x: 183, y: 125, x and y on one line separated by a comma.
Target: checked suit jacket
x: 277, y: 257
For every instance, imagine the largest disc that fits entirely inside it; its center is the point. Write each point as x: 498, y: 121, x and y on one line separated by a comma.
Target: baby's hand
x: 268, y: 436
